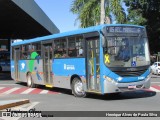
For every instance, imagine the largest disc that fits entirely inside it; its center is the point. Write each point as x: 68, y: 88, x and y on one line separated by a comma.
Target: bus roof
x: 70, y: 33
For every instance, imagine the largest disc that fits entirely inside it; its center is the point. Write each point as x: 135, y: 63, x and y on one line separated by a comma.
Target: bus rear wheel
x: 30, y: 82
x: 77, y: 88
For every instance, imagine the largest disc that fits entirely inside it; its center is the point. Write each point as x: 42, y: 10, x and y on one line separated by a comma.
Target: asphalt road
x: 62, y: 100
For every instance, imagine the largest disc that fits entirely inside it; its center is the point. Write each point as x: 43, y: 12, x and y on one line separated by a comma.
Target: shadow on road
x: 120, y: 96
x: 54, y: 89
x: 124, y: 95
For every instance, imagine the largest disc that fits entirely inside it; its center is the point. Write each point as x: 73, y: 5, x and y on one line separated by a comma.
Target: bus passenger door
x: 47, y: 64
x: 93, y: 68
x: 16, y: 60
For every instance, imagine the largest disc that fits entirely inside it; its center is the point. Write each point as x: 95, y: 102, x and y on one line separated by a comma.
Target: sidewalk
x: 4, y: 104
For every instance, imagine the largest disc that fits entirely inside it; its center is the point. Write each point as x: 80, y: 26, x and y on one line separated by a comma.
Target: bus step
x: 49, y: 86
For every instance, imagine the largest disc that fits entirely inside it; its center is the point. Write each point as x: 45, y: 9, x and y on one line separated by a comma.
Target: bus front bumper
x: 110, y: 86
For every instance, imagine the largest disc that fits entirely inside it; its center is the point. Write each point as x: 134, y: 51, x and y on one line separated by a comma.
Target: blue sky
x: 59, y: 13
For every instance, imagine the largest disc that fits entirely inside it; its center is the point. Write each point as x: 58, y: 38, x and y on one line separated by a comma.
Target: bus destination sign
x: 122, y: 29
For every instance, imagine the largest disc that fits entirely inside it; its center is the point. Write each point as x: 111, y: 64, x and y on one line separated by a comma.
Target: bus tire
x: 30, y: 82
x: 77, y: 88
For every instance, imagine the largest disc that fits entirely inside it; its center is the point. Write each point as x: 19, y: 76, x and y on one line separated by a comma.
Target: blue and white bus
x: 89, y: 60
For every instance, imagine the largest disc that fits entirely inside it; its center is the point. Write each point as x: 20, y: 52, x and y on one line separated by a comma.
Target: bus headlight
x: 108, y: 78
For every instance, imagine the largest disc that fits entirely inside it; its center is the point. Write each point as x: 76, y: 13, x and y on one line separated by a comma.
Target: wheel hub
x: 79, y: 87
x: 29, y: 81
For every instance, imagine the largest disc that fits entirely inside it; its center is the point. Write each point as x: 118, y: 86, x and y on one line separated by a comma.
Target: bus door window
x: 48, y: 51
x: 47, y: 62
x: 16, y: 60
x: 93, y: 64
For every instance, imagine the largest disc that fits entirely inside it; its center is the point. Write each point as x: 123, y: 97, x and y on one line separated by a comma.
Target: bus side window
x: 56, y: 49
x: 60, y: 48
x: 72, y: 51
x: 79, y: 46
x: 23, y: 52
x: 36, y: 47
x: 80, y: 51
x: 28, y: 51
x: 75, y: 47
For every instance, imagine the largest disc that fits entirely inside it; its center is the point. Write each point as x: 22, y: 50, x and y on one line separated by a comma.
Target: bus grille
x: 130, y: 73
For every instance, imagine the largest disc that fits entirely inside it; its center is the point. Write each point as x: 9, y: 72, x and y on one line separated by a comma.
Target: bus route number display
x: 124, y: 30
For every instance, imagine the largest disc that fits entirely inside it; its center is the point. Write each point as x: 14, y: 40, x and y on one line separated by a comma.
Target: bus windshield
x: 126, y: 51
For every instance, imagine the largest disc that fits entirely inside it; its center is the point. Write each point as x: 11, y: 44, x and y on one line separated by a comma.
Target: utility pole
x: 104, y: 19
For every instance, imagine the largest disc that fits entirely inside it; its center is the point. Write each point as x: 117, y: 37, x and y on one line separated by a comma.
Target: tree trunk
x: 102, y: 11
x: 107, y: 20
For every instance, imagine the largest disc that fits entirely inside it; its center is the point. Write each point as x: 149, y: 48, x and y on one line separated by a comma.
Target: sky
x: 59, y: 13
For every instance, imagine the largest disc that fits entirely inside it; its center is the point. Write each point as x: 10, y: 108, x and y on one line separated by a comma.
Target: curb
x: 12, y: 103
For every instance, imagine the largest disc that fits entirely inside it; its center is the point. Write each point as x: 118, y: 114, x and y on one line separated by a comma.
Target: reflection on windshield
x: 127, y: 51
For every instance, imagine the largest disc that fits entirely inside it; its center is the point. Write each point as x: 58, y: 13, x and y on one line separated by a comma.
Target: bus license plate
x: 131, y: 86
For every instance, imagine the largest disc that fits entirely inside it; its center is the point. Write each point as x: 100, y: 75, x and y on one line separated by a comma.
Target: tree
x: 146, y: 13
x: 102, y: 20
x: 88, y: 11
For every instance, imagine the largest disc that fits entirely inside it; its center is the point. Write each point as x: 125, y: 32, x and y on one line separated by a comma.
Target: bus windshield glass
x: 126, y: 50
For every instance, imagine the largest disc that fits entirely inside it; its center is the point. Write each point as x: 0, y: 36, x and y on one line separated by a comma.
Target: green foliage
x: 146, y: 13
x: 88, y: 11
x: 118, y: 11
x: 135, y: 11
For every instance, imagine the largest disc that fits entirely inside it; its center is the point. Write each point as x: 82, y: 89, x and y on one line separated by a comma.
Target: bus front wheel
x: 30, y: 82
x: 77, y: 88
